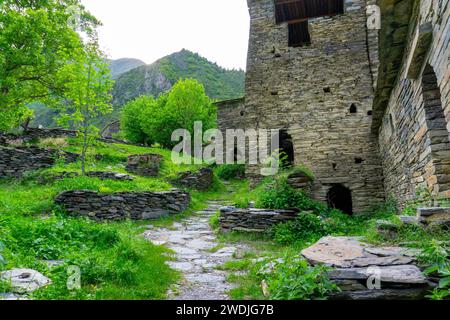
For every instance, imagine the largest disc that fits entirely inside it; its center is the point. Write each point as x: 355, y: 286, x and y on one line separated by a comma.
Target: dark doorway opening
x: 286, y: 148
x: 340, y: 197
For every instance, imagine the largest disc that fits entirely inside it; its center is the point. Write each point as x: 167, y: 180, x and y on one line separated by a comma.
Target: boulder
x: 24, y: 280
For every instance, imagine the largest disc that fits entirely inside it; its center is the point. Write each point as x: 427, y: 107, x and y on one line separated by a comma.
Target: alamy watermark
x: 235, y: 146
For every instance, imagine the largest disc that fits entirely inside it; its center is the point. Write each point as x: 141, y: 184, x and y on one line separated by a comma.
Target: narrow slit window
x: 299, y: 34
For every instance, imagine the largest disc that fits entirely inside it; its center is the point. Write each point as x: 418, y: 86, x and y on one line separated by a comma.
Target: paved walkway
x: 194, y: 242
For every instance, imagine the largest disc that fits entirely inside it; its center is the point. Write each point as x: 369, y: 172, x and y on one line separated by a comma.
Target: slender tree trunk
x: 84, y: 150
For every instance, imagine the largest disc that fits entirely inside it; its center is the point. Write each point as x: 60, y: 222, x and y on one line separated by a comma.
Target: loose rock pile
x: 145, y: 164
x: 364, y: 272
x: 253, y: 220
x: 201, y: 180
x: 123, y: 205
x: 14, y: 162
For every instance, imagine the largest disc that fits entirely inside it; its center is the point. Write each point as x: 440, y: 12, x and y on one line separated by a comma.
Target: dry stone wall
x: 14, y: 162
x: 201, y: 180
x: 145, y: 164
x: 414, y: 133
x: 123, y: 205
x: 253, y: 220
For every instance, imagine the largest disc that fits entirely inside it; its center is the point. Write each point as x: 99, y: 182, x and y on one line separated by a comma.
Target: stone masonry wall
x: 414, y: 134
x: 253, y: 220
x: 123, y: 205
x: 309, y: 91
x: 14, y: 162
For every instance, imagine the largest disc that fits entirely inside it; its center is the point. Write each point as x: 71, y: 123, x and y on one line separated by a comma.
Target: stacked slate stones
x: 253, y: 220
x: 145, y: 164
x: 14, y: 162
x: 123, y: 205
x: 201, y: 180
x: 363, y: 271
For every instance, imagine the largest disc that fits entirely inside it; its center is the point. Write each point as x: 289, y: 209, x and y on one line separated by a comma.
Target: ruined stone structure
x: 200, y: 180
x: 412, y: 117
x: 14, y: 162
x: 316, y: 72
x: 123, y: 205
x: 253, y: 220
x: 145, y: 164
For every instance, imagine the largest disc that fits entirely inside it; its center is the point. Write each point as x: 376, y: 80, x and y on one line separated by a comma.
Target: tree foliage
x: 185, y: 104
x: 132, y: 116
x: 87, y: 95
x: 36, y: 43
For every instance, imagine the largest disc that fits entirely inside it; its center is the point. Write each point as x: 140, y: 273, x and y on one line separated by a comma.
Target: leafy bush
x: 293, y: 279
x: 132, y: 116
x: 283, y: 196
x: 230, y: 171
x: 437, y: 257
x: 306, y: 227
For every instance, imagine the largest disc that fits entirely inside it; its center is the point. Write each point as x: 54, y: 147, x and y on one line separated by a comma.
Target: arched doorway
x: 340, y: 197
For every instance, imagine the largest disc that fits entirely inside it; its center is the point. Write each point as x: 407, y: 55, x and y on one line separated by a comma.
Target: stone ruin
x: 123, y: 205
x: 14, y: 162
x: 200, y: 180
x: 366, y: 110
x: 145, y: 164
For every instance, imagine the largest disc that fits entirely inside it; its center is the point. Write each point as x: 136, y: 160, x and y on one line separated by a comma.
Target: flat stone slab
x: 350, y: 252
x: 25, y: 280
x: 407, y: 274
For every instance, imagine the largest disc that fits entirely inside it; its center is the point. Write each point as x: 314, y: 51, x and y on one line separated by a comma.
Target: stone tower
x: 310, y: 74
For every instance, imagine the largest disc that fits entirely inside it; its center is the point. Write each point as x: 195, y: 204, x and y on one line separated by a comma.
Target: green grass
x: 115, y: 262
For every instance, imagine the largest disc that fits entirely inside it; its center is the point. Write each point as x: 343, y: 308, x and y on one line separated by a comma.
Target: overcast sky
x: 150, y: 29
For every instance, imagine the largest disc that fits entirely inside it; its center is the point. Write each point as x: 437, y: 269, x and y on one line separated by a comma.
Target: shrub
x: 283, y: 196
x: 306, y: 227
x: 185, y: 104
x: 294, y: 279
x: 230, y: 171
x: 132, y: 116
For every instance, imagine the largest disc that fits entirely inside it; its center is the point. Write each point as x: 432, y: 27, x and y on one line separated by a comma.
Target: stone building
x: 335, y: 88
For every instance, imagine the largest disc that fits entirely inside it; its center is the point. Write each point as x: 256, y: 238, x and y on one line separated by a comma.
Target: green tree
x: 132, y: 116
x: 186, y: 103
x: 87, y: 95
x: 36, y: 43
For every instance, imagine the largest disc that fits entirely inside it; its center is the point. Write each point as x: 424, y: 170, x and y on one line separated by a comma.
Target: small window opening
x: 299, y: 34
x: 340, y: 197
x: 370, y: 113
x: 353, y: 108
x: 334, y: 166
x: 242, y: 113
x: 327, y: 89
x: 359, y: 160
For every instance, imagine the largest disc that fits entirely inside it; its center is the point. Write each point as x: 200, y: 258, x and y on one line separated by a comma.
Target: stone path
x: 194, y: 242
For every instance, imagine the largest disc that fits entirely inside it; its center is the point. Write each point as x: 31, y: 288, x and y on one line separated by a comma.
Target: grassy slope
x: 115, y: 262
